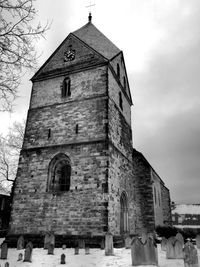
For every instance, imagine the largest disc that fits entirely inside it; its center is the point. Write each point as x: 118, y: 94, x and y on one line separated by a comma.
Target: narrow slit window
x: 120, y: 101
x: 76, y: 128
x: 49, y: 133
x: 118, y: 71
x: 66, y: 87
x: 124, y: 83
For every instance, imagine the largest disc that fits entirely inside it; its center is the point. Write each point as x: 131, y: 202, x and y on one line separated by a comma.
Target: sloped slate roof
x: 97, y: 40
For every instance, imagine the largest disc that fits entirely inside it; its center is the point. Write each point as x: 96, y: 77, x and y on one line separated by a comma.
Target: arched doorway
x: 59, y: 173
x: 124, y: 226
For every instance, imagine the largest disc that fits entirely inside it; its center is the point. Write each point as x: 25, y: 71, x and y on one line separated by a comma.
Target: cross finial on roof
x: 90, y: 13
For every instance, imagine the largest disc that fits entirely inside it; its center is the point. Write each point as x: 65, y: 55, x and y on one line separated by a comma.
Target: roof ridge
x: 92, y: 36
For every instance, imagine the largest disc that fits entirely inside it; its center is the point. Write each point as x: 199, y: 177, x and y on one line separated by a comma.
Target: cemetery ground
x: 96, y: 258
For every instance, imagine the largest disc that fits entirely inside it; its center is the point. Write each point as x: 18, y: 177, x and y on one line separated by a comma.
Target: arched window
x: 66, y: 90
x: 124, y: 226
x: 120, y: 101
x: 118, y: 71
x: 59, y: 173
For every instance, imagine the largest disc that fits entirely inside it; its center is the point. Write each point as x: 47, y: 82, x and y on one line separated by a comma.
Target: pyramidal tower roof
x: 97, y: 40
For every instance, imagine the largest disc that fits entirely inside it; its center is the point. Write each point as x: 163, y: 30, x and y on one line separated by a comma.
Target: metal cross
x: 90, y: 5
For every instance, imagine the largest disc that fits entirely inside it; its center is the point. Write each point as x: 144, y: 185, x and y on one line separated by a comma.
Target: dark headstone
x: 102, y: 243
x: 144, y: 253
x: 81, y: 243
x: 63, y: 247
x: 4, y: 251
x: 51, y: 249
x: 109, y: 244
x: 20, y: 243
x: 76, y: 250
x: 87, y: 250
x: 7, y: 264
x: 28, y: 252
x: 49, y: 239
x: 20, y: 256
x: 62, y: 260
x: 190, y: 255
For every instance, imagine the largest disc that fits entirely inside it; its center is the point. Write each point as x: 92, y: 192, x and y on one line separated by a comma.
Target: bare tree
x: 9, y: 153
x: 17, y: 38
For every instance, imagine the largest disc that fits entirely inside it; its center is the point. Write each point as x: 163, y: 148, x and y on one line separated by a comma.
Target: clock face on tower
x: 69, y: 55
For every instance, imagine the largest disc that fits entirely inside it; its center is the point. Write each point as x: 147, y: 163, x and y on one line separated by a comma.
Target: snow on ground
x: 97, y: 258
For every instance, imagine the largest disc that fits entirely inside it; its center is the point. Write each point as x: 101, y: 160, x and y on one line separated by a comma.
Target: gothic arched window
x: 66, y: 87
x: 124, y: 225
x: 59, y: 173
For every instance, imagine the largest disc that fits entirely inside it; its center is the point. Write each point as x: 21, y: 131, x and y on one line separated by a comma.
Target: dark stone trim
x: 65, y: 145
x: 67, y: 71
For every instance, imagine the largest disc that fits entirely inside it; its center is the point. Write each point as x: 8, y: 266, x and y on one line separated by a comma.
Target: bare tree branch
x: 18, y: 36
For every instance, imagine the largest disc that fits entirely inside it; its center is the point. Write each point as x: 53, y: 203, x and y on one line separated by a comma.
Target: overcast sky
x: 160, y: 40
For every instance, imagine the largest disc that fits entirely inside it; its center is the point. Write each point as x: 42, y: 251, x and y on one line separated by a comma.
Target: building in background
x: 186, y: 215
x: 78, y: 174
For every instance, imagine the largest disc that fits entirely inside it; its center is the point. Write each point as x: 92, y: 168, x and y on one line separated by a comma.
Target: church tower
x: 75, y: 174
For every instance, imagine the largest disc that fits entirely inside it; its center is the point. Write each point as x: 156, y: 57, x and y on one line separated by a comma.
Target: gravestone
x: 20, y: 256
x: 150, y: 252
x: 164, y: 244
x: 7, y: 264
x: 49, y: 239
x: 63, y: 247
x: 81, y: 243
x: 62, y: 260
x: 170, y: 248
x: 178, y: 249
x: 109, y: 244
x: 174, y: 248
x: 76, y: 250
x: 50, y: 249
x: 128, y: 242
x: 144, y: 253
x: 87, y: 250
x: 4, y: 251
x: 180, y: 238
x: 102, y: 243
x: 20, y: 242
x: 190, y: 255
x: 28, y: 252
x: 198, y: 241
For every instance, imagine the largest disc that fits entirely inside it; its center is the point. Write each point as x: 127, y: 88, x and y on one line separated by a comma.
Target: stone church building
x: 79, y: 175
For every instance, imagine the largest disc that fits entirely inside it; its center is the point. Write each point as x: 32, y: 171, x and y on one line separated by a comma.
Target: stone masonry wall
x: 85, y: 84
x: 120, y: 180
x: 81, y: 210
x: 166, y: 204
x: 144, y: 194
x: 90, y: 116
x: 120, y: 161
